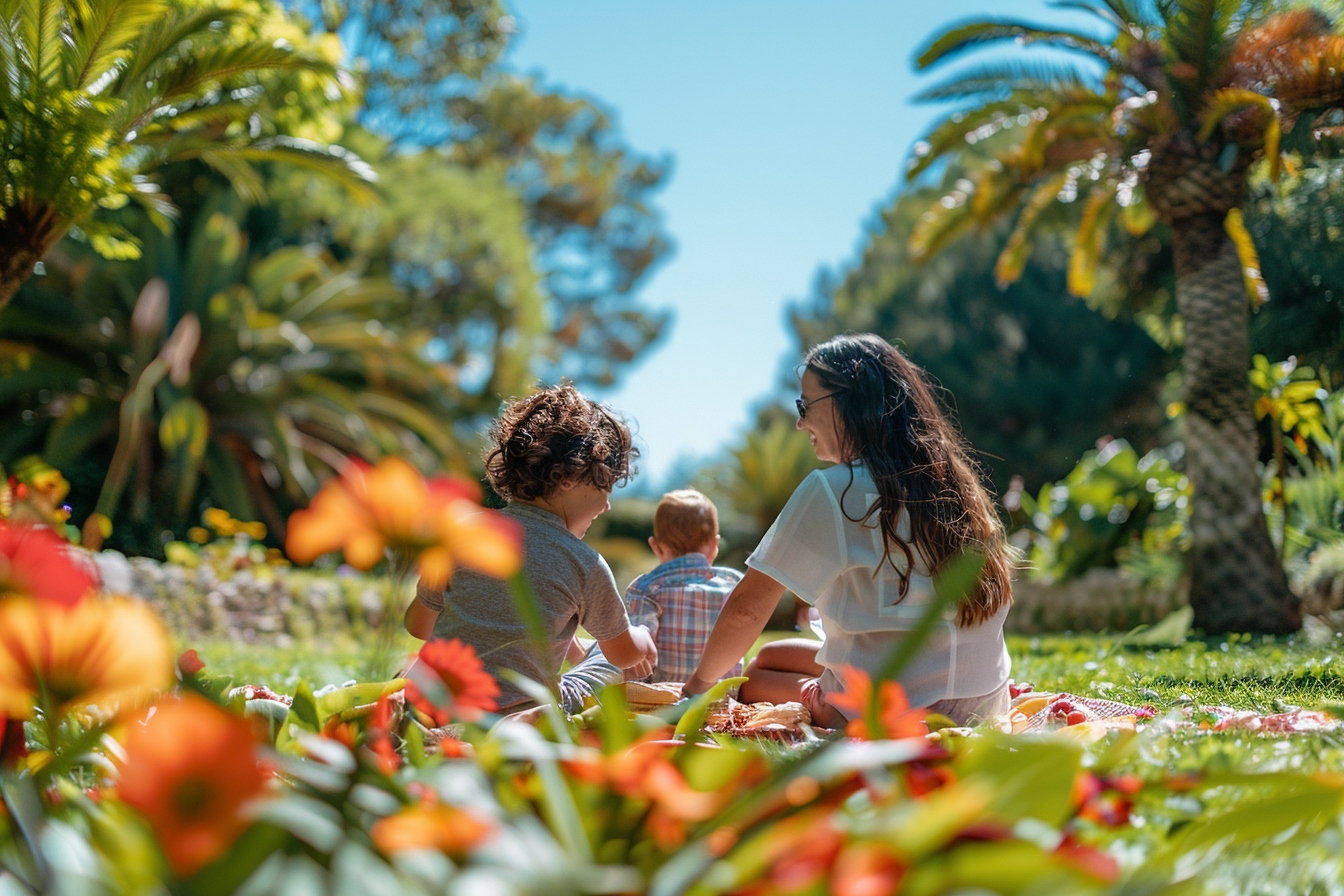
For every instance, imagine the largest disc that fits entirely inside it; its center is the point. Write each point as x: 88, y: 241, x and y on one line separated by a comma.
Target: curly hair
x: 920, y: 463
x: 556, y: 435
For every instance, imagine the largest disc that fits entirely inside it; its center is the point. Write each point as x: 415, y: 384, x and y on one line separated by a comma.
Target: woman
x: 861, y: 541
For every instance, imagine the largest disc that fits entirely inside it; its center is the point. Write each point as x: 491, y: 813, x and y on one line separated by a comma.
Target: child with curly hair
x: 554, y: 456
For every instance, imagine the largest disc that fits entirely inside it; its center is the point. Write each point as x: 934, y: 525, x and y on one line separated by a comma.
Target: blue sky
x: 788, y: 124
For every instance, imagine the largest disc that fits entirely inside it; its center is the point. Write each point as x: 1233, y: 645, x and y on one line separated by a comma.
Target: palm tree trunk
x: 25, y: 236
x: 1237, y: 579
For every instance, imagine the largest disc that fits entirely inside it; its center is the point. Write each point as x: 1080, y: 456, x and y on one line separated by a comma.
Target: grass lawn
x: 1263, y: 674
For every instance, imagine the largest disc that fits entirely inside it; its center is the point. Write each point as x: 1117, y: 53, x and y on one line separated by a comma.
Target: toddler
x: 680, y: 599
x: 554, y: 457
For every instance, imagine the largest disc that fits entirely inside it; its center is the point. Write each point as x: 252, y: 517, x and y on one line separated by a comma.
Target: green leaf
x: 961, y: 38
x: 694, y: 717
x: 1170, y: 631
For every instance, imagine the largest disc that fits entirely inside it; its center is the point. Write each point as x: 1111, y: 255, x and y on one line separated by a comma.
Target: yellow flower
x: 198, y: 534
x: 111, y: 653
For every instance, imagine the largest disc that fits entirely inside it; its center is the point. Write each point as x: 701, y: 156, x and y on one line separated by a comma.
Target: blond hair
x: 685, y: 520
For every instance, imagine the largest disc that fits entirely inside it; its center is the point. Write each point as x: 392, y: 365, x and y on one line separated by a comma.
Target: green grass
x: 1262, y: 674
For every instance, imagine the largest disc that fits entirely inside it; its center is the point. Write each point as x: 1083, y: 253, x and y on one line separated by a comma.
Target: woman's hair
x: 890, y: 420
x: 555, y: 435
x: 684, y: 520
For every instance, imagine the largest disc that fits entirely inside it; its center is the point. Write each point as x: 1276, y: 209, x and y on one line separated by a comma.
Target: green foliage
x: 455, y: 241
x: 221, y: 383
x: 1114, y: 503
x: 1033, y: 375
x: 754, y: 481
x: 97, y: 94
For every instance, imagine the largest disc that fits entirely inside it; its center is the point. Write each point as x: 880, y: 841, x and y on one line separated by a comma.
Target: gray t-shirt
x: 573, y: 585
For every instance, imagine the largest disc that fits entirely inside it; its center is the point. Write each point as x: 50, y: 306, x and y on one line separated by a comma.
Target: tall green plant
x: 1190, y: 94
x: 97, y: 94
x: 220, y: 381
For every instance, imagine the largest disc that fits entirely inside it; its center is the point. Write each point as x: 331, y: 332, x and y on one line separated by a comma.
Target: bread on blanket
x: 742, y: 719
x: 645, y: 696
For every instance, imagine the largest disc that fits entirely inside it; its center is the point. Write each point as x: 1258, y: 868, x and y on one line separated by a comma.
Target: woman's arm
x: 741, y: 621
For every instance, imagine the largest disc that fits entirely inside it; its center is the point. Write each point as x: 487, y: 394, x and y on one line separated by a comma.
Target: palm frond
x: 1310, y: 73
x: 1138, y: 216
x: 244, y: 179
x: 1230, y: 101
x: 1090, y: 240
x: 1080, y: 122
x: 1013, y: 259
x: 960, y: 129
x: 1200, y: 36
x: 940, y: 225
x: 339, y: 164
x: 101, y: 35
x: 163, y: 39
x: 1256, y: 291
x: 218, y: 63
x: 1003, y: 78
x: 963, y: 37
x: 413, y: 416
x: 1119, y: 13
x: 39, y: 31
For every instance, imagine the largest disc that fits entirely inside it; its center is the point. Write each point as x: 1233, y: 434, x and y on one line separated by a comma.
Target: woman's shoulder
x: 842, y: 477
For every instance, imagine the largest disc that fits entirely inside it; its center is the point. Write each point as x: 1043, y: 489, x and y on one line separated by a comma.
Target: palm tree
x: 192, y: 377
x: 1187, y: 97
x: 96, y: 94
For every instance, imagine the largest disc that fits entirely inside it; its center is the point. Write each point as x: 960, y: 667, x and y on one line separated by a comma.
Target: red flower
x: 189, y: 663
x: 190, y: 768
x: 1088, y: 859
x: 13, y: 744
x: 378, y: 737
x: 453, y: 670
x: 896, y: 719
x: 37, y: 561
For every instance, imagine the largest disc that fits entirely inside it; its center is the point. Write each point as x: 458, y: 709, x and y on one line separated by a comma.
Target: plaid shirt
x: 679, y: 602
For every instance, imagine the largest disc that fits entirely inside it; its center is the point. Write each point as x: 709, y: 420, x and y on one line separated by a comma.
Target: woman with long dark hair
x: 861, y: 541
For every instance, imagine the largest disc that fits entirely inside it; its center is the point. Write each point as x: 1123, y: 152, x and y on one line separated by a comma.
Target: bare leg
x: 779, y: 670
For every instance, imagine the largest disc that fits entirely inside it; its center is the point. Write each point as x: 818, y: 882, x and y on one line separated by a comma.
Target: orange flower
x: 37, y: 561
x: 110, y: 652
x: 439, y: 523
x: 866, y: 869
x: 451, y: 667
x: 896, y: 719
x: 190, y: 767
x: 447, y: 829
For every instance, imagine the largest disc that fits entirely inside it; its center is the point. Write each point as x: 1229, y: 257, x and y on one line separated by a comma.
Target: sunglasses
x: 802, y: 406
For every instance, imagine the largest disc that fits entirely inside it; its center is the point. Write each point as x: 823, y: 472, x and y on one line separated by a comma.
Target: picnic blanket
x: 1087, y: 716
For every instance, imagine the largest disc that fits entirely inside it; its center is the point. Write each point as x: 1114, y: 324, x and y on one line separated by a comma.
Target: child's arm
x: 632, y: 650
x: 423, y: 611
x: 575, y: 652
x: 419, y: 620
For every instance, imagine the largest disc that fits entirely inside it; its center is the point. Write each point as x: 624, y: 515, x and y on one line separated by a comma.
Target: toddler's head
x: 685, y: 522
x: 557, y: 435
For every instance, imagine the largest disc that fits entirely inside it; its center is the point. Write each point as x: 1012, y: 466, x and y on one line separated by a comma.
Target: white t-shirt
x: 826, y: 555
